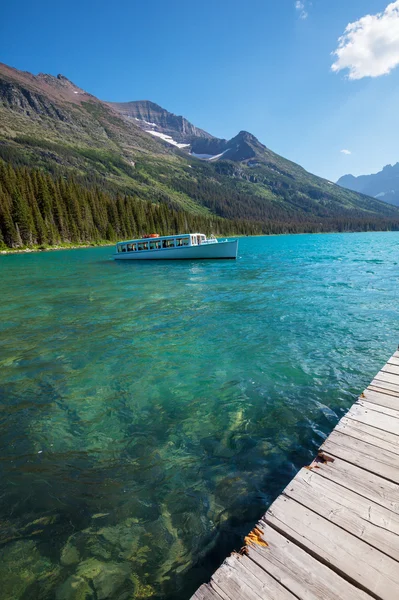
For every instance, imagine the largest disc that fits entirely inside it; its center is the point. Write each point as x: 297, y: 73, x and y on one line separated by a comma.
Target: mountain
x: 140, y: 150
x: 383, y: 185
x: 156, y: 120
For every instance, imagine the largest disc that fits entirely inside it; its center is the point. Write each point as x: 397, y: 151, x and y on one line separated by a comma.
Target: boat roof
x: 161, y: 237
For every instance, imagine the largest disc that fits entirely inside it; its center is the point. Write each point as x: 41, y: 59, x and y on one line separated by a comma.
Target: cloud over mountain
x: 369, y: 47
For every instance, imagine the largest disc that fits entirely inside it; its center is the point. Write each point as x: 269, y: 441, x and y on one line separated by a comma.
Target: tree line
x: 42, y: 209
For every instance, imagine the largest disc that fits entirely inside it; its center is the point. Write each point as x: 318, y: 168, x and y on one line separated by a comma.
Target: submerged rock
x: 75, y: 588
x: 69, y: 553
x: 22, y: 566
x: 96, y: 580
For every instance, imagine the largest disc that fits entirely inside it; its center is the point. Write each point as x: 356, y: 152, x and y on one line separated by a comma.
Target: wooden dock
x: 333, y: 534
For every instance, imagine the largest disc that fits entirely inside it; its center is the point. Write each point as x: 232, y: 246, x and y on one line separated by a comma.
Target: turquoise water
x: 152, y: 411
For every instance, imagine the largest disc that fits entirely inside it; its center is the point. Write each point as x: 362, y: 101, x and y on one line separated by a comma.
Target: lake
x: 151, y: 411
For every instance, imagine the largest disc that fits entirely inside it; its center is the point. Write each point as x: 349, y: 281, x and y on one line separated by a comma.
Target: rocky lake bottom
x: 151, y: 412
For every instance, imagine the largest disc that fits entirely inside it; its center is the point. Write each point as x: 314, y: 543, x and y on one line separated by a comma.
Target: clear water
x: 150, y: 412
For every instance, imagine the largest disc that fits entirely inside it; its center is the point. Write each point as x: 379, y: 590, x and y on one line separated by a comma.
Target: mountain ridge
x: 383, y: 185
x: 48, y: 122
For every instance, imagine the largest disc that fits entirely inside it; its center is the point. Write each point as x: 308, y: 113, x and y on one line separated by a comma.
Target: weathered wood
x: 380, y: 398
x: 375, y: 416
x: 391, y: 378
x: 393, y: 361
x: 385, y: 383
x: 367, y: 433
x: 392, y: 412
x: 382, y: 390
x: 237, y: 579
x: 358, y: 562
x: 366, y: 484
x: 390, y: 368
x: 298, y: 571
x: 366, y: 520
x: 206, y: 593
x: 364, y: 455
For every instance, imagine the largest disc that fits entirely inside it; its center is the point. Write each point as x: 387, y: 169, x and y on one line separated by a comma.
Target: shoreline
x: 53, y: 248
x: 6, y: 251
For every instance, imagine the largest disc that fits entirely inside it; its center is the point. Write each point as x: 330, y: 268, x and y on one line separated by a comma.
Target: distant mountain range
x: 383, y: 185
x: 140, y: 149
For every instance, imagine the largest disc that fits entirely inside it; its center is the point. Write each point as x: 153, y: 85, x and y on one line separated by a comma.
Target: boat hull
x: 203, y: 251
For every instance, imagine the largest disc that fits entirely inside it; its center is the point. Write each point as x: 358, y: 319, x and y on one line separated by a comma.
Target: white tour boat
x: 172, y: 247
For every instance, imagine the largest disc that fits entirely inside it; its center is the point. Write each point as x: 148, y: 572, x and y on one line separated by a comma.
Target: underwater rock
x: 22, y: 566
x: 96, y: 580
x: 111, y: 579
x: 69, y: 553
x: 75, y: 588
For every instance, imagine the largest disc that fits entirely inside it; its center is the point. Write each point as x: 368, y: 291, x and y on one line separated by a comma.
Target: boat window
x: 119, y: 248
x: 131, y: 247
x: 156, y: 245
x: 123, y: 248
x: 168, y: 243
x: 198, y: 239
x: 203, y: 238
x: 182, y: 241
x: 142, y: 245
x: 194, y: 240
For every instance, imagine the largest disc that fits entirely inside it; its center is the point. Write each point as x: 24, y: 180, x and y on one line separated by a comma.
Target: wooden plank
x: 298, y: 571
x: 365, y: 520
x: 364, y: 483
x: 372, y: 435
x: 392, y: 412
x: 364, y: 455
x: 205, y: 593
x: 352, y: 558
x: 390, y: 368
x: 380, y: 390
x: 380, y: 398
x: 238, y: 579
x: 393, y: 361
x: 385, y: 385
x: 391, y: 377
x: 377, y: 419
x: 387, y: 378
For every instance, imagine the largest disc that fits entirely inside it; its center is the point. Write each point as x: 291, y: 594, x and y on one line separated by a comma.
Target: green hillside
x: 49, y: 124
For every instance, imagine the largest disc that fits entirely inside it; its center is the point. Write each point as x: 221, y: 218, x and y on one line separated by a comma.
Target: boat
x: 175, y: 247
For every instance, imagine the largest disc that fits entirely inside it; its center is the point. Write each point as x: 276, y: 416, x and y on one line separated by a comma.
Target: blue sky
x: 227, y: 65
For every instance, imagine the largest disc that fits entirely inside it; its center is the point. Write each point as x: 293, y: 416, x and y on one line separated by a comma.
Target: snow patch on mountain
x: 167, y: 138
x: 219, y: 155
x: 145, y: 122
x: 209, y: 156
x: 203, y: 156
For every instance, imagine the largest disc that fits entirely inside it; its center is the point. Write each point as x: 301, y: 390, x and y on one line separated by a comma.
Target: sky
x: 316, y: 81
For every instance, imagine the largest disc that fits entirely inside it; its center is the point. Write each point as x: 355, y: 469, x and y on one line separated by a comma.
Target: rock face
x: 151, y: 116
x: 383, y: 185
x: 154, y: 119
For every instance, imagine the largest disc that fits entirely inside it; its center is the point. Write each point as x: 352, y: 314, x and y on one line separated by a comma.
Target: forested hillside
x: 37, y: 209
x: 80, y: 170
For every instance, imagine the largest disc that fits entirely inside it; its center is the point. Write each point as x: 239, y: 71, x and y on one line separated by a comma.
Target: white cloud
x: 370, y: 46
x: 345, y: 151
x: 301, y: 8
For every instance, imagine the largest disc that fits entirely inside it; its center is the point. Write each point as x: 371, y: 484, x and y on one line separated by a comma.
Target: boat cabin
x: 154, y: 242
